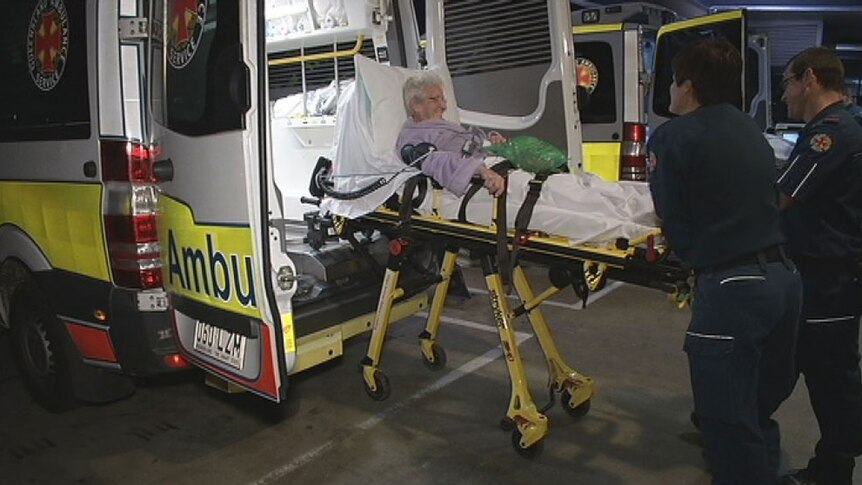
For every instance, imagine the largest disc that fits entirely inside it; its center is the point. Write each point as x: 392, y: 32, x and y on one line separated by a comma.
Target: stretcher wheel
x: 382, y: 391
x: 439, y: 356
x: 578, y: 411
x: 507, y: 424
x: 531, y: 451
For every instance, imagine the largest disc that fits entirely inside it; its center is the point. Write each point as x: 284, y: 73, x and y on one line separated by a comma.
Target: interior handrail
x: 360, y: 39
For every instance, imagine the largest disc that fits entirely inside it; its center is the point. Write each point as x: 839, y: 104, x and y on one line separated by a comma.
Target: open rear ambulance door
x: 673, y: 37
x: 209, y: 126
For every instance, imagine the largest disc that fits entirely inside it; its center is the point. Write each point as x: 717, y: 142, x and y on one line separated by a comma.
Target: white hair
x: 415, y: 88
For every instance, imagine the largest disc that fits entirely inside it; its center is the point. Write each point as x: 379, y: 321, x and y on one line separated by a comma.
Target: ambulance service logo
x: 185, y: 27
x: 587, y: 74
x: 48, y: 43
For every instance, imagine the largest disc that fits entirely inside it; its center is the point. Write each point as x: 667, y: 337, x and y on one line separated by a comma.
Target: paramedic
x: 822, y: 219
x: 713, y: 186
x: 458, y: 155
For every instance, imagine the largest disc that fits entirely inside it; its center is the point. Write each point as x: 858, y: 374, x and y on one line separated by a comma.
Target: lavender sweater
x: 447, y: 165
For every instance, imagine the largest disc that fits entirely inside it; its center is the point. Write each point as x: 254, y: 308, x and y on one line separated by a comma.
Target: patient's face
x: 432, y: 107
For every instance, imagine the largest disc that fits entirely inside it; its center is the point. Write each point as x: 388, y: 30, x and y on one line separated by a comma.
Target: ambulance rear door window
x: 206, y: 83
x: 595, y: 73
x: 44, y: 90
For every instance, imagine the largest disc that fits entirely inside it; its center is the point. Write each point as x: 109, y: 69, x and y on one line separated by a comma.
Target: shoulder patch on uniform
x: 821, y: 142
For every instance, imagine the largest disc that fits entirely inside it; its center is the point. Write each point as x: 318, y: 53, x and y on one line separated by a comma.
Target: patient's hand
x: 494, y: 182
x: 495, y: 138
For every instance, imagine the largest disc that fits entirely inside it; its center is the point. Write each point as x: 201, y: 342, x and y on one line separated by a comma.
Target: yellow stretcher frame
x: 629, y: 262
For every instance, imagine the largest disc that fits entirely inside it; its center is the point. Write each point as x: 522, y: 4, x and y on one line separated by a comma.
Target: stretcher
x: 641, y: 260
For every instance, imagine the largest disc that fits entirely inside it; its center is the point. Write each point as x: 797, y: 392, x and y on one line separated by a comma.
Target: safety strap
x: 476, y: 183
x: 525, y: 213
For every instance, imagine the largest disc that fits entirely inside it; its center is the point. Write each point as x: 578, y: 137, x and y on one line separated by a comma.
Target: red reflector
x: 93, y: 343
x: 634, y: 132
x: 131, y: 229
x: 138, y: 278
x: 176, y: 361
x: 633, y: 167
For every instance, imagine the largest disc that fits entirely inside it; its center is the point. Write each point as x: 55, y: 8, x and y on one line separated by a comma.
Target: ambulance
x: 242, y: 101
x: 614, y: 50
x: 80, y: 271
x: 624, y: 93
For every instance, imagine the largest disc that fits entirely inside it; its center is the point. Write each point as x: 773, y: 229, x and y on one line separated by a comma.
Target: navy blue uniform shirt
x: 824, y: 179
x: 713, y: 186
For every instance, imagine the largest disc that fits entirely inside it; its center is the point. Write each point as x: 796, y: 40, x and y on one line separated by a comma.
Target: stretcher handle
x: 310, y: 200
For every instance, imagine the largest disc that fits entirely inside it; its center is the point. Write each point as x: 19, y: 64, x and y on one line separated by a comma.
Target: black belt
x: 772, y: 254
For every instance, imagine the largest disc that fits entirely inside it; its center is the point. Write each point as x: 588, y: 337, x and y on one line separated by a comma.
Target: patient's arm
x: 451, y: 170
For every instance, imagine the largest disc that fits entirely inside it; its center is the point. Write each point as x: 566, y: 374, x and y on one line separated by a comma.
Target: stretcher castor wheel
x: 578, y: 411
x: 381, y: 389
x: 531, y: 451
x: 438, y: 358
x: 594, y: 274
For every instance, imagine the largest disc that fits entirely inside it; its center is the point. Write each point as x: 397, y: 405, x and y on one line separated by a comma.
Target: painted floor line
x: 470, y: 324
x: 571, y: 306
x: 456, y: 374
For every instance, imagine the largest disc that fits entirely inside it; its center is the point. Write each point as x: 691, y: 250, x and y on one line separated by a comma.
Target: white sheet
x: 579, y: 206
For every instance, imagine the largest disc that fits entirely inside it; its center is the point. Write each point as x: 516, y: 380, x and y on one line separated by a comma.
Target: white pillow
x: 383, y: 86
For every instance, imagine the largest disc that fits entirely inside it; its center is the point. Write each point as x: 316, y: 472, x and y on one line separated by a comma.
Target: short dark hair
x: 824, y: 63
x: 714, y: 67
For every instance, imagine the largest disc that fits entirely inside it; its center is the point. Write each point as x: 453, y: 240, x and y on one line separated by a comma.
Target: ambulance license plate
x: 220, y: 344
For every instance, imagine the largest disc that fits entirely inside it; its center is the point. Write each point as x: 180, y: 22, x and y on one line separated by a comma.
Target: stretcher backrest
x: 370, y: 117
x: 383, y: 86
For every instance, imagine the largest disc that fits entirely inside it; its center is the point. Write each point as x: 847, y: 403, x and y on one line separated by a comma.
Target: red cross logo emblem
x: 49, y: 41
x: 183, y: 20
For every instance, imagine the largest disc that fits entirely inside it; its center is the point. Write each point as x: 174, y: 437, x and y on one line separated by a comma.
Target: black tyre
x: 531, y: 451
x: 41, y: 349
x: 578, y: 411
x: 439, y: 356
x: 382, y: 391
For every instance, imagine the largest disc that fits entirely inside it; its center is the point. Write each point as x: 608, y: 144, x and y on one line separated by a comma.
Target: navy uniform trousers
x: 828, y: 357
x: 740, y: 345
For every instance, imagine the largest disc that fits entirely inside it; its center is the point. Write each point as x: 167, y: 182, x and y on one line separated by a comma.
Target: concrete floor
x: 437, y: 427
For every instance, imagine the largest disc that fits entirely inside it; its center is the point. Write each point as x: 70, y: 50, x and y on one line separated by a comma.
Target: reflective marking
x: 709, y: 336
x: 741, y: 278
x: 470, y: 324
x: 830, y: 320
x: 786, y: 171
x: 803, y: 180
x: 463, y: 371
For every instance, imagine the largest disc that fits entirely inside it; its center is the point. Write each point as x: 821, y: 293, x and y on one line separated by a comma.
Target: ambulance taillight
x: 130, y: 214
x: 633, y: 165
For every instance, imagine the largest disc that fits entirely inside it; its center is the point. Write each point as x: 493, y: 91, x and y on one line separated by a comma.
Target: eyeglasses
x: 785, y: 81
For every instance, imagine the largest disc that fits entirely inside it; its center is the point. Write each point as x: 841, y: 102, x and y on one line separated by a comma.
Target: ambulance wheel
x: 381, y: 383
x: 578, y: 411
x: 531, y: 451
x: 439, y: 356
x: 40, y: 346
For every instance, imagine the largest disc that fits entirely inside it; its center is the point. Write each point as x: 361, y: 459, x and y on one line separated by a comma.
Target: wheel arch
x: 19, y: 257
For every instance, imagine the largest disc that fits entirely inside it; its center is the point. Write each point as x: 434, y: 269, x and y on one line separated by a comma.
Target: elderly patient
x: 580, y: 206
x: 459, y: 154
